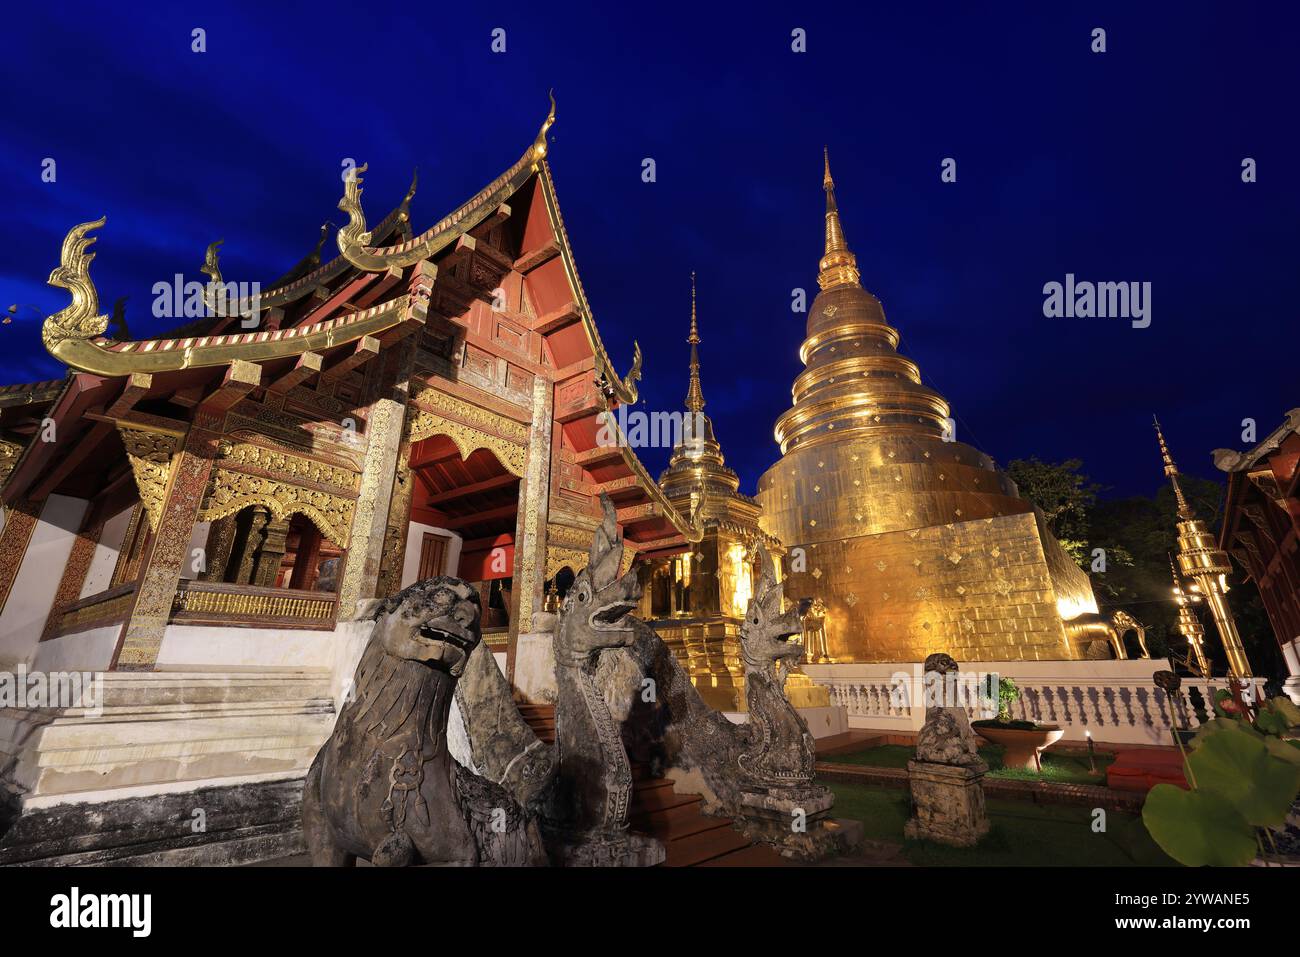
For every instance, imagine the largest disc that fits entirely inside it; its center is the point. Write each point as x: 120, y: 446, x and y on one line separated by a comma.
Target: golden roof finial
x: 694, y: 394
x: 404, y: 209
x: 838, y: 266
x: 539, y: 144
x: 1171, y: 470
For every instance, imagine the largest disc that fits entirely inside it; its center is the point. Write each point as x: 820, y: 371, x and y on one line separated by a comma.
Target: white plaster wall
x: 90, y: 650
x: 23, y: 616
x: 204, y: 648
x: 104, y: 560
x: 198, y: 543
x: 414, y: 540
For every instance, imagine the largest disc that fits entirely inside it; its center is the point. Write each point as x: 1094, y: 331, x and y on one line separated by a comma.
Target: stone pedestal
x: 797, y: 822
x: 947, y: 804
x: 627, y: 850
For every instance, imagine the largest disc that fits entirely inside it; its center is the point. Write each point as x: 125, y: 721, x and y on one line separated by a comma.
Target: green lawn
x: 1060, y: 767
x: 1022, y: 833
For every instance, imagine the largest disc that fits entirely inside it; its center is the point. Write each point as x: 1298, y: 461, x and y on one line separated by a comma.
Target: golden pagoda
x: 696, y: 599
x: 1201, y: 560
x: 915, y: 542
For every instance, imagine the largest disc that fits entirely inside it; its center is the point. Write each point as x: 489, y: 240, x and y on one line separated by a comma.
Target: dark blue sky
x: 1116, y: 167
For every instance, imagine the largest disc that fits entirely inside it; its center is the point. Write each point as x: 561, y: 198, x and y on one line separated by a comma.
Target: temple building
x: 1261, y: 530
x: 914, y: 541
x: 697, y: 598
x: 199, y: 514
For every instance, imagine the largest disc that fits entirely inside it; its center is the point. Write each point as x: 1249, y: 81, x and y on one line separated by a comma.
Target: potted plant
x: 1024, y: 741
x: 1244, y: 776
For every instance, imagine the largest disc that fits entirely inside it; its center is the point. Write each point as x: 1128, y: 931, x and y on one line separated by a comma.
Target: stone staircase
x: 690, y: 837
x: 168, y: 768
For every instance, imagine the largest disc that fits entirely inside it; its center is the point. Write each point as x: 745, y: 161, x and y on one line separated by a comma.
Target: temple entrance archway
x: 470, y: 506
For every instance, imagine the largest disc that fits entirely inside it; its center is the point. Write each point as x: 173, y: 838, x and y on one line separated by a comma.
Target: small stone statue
x: 944, y: 779
x: 946, y: 737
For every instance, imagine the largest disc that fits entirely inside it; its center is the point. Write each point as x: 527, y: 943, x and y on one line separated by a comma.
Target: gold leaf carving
x: 288, y: 466
x: 423, y: 424
x: 150, y: 455
x: 234, y: 491
x: 9, y: 454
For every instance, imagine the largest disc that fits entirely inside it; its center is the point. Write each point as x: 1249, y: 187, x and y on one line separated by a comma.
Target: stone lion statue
x: 384, y: 787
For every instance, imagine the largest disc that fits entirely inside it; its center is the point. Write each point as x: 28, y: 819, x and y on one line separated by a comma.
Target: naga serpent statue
x: 759, y: 773
x: 384, y: 787
x: 587, y: 805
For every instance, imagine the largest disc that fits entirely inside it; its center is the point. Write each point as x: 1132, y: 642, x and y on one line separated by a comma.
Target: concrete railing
x: 1115, y: 701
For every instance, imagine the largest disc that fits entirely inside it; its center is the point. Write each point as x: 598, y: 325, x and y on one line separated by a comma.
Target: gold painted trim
x: 423, y: 424
x: 232, y: 492
x: 151, y: 455
x: 75, y: 335
x: 689, y: 529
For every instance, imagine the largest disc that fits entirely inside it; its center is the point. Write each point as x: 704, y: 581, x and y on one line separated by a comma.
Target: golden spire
x: 1202, y: 560
x: 838, y: 266
x: 1171, y: 470
x: 694, y: 394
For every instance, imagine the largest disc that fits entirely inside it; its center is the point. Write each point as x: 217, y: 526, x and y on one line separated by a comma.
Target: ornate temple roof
x: 328, y: 318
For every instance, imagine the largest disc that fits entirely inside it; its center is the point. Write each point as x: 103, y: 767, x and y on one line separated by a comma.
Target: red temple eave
x: 82, y: 393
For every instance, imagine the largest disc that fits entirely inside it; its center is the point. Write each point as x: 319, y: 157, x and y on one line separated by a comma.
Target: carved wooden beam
x: 537, y: 257
x: 505, y: 511
x: 549, y: 322
x: 308, y: 365
x: 240, y: 379
x: 600, y: 455
x: 367, y: 348
x: 137, y: 385
x: 73, y: 460
x: 487, y: 485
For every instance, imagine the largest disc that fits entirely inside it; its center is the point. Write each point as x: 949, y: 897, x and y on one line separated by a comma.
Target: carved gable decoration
x: 150, y: 455
x: 469, y: 427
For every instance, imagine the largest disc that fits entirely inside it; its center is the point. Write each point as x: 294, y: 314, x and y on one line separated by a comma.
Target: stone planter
x: 1023, y: 745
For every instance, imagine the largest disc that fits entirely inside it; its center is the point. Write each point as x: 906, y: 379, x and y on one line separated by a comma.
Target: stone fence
x: 1116, y: 700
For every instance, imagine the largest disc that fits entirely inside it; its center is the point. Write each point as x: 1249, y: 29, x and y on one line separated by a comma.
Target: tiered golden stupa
x: 697, y: 599
x: 915, y: 542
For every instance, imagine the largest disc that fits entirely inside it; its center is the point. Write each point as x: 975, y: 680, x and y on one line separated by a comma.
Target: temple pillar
x: 253, y: 527
x: 370, y: 520
x: 398, y: 527
x: 221, y: 542
x: 270, y: 555
x: 169, y: 547
x: 529, y: 573
x: 304, y: 564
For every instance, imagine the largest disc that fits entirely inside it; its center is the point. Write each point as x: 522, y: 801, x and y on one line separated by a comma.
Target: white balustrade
x: 1115, y: 701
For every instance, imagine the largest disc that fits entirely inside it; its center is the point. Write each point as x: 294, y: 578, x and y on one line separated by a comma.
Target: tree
x: 1065, y: 496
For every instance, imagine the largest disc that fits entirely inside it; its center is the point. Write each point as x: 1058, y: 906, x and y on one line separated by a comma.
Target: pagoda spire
x: 1171, y: 470
x: 694, y: 394
x: 838, y: 266
x: 1202, y: 560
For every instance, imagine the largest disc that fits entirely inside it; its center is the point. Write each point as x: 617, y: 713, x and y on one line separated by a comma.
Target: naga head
x: 435, y: 621
x: 766, y: 633
x: 594, y: 612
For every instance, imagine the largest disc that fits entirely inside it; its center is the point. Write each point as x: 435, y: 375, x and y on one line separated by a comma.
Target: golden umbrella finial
x: 1171, y: 470
x: 694, y: 393
x: 838, y: 266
